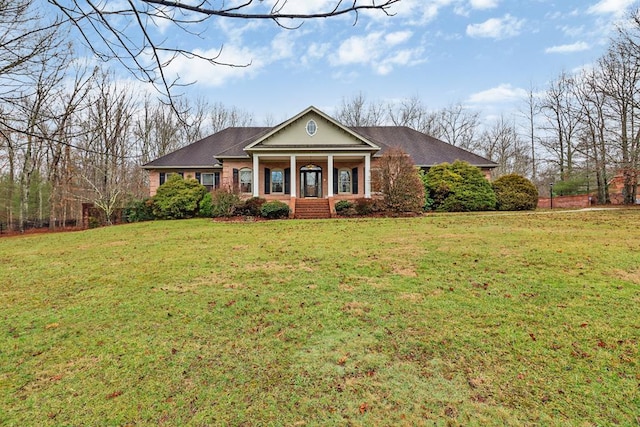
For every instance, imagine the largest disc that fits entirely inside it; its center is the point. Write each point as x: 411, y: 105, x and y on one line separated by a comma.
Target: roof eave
x: 148, y: 167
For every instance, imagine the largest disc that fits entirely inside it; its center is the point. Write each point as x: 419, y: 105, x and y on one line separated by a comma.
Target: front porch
x: 314, y: 176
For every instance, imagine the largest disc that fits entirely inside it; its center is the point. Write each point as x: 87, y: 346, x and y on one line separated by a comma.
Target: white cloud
x: 378, y: 50
x: 568, y: 48
x: 496, y: 28
x: 398, y: 37
x: 500, y: 94
x: 616, y: 7
x: 415, y: 12
x: 483, y: 4
x: 314, y: 52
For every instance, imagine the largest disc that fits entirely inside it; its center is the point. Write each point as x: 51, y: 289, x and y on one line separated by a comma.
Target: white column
x: 256, y: 176
x: 367, y: 176
x: 293, y: 176
x: 330, y: 175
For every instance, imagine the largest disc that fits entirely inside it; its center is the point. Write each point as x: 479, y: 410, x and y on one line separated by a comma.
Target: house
x: 311, y: 156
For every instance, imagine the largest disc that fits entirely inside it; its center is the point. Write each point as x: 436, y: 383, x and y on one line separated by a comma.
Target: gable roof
x: 424, y: 150
x: 357, y: 141
x: 239, y: 142
x: 202, y: 153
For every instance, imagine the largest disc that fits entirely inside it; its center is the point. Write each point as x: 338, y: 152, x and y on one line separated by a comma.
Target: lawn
x: 485, y: 319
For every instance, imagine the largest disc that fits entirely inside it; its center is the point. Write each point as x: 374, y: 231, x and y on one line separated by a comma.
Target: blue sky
x: 485, y: 54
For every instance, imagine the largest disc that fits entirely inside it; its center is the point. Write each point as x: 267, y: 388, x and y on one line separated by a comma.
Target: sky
x: 484, y: 54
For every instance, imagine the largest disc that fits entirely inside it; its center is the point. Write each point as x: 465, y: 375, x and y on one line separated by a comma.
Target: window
x: 312, y: 127
x: 246, y: 176
x: 344, y: 181
x: 209, y: 180
x: 277, y: 181
x: 164, y: 176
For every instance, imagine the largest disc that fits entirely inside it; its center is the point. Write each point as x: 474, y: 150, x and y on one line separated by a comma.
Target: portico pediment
x: 311, y: 130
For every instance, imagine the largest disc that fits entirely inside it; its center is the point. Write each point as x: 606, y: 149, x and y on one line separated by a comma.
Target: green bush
x: 343, y: 205
x: 139, y: 210
x: 205, y: 207
x: 250, y: 207
x: 224, y: 203
x: 459, y: 187
x: 515, y: 193
x: 178, y: 198
x: 275, y: 210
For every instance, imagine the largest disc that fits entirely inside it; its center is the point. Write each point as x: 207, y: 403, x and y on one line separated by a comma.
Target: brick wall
x: 581, y: 201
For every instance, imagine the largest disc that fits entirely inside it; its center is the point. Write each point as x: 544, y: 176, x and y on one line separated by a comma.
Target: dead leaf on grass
x: 114, y: 394
x: 364, y: 408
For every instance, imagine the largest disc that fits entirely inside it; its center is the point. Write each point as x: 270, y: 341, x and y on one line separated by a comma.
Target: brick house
x: 309, y: 156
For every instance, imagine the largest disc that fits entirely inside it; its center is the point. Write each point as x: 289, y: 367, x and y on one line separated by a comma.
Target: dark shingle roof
x: 202, y: 153
x: 423, y: 149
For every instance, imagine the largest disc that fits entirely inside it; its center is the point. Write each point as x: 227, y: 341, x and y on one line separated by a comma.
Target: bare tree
x: 501, y: 144
x: 562, y: 113
x: 358, y: 111
x: 107, y: 157
x: 532, y: 110
x: 458, y: 126
x: 222, y: 117
x: 621, y: 84
x: 412, y: 113
x: 594, y: 130
x: 24, y: 36
x: 121, y: 31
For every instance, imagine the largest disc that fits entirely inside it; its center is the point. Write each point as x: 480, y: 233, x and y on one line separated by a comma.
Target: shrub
x: 178, y: 198
x: 459, y: 187
x: 139, y: 210
x: 274, y: 210
x: 224, y: 203
x: 515, y: 193
x: 400, y: 182
x: 205, y: 207
x: 365, y: 206
x: 250, y: 207
x: 343, y: 206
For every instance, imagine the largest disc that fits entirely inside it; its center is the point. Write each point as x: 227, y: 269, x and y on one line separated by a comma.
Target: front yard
x: 481, y: 319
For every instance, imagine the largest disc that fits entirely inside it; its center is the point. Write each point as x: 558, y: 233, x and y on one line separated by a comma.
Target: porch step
x: 312, y: 209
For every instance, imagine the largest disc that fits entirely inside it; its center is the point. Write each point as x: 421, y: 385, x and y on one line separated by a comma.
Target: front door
x: 311, y: 179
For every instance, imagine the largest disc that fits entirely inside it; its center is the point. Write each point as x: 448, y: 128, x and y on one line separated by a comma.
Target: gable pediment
x: 327, y: 134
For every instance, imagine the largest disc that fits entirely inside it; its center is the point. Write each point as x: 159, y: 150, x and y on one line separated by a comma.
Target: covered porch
x: 308, y: 175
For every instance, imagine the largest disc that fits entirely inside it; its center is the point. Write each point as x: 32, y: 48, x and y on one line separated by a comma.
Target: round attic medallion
x: 312, y: 127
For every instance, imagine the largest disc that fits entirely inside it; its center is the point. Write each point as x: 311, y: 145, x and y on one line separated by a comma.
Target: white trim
x: 367, y: 176
x: 311, y: 123
x: 272, y: 171
x: 256, y: 176
x: 293, y: 174
x: 350, y: 173
x: 370, y: 145
x: 330, y: 175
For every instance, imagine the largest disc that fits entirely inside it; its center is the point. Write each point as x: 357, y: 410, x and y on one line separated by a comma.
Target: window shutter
x: 354, y: 180
x: 236, y: 179
x: 267, y: 181
x: 163, y: 177
x: 335, y: 181
x: 287, y: 181
x: 199, y: 177
x: 216, y: 180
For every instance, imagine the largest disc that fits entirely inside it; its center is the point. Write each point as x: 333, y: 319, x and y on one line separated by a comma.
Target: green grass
x: 448, y: 320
